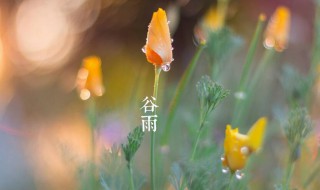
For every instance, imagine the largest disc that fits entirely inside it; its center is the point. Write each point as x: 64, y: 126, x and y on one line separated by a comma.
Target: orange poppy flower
x: 158, y: 48
x: 90, y: 78
x: 277, y: 32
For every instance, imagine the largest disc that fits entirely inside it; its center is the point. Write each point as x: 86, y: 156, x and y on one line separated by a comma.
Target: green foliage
x: 296, y: 85
x: 210, y: 94
x: 222, y: 43
x: 134, y: 141
x: 113, y: 172
x: 176, y: 177
x: 298, y: 127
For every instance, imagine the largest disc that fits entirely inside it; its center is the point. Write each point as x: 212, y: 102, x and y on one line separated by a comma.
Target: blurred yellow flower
x: 277, y: 32
x: 89, y: 79
x: 212, y: 21
x: 158, y: 47
x: 238, y: 147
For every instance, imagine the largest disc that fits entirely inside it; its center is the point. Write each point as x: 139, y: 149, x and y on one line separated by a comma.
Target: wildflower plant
x: 134, y: 141
x: 158, y: 50
x: 296, y: 85
x: 298, y: 127
x: 210, y: 95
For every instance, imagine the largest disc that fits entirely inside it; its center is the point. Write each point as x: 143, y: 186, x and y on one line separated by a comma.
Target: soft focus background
x: 44, y: 135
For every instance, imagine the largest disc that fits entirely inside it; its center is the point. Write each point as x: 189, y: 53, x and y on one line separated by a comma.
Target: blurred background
x: 44, y: 134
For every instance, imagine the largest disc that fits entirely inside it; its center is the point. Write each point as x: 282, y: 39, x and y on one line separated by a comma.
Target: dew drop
x: 143, y: 49
x: 239, y: 174
x: 222, y: 158
x: 171, y: 40
x: 240, y: 95
x: 225, y: 170
x: 165, y: 67
x: 244, y: 150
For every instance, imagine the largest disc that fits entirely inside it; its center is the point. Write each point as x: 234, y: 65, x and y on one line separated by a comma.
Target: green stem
x: 247, y: 66
x: 230, y: 182
x: 289, y: 173
x: 203, y: 117
x: 152, y: 159
x: 131, y: 176
x: 312, y: 176
x: 244, y: 104
x: 196, y: 145
x: 178, y: 94
x: 91, y: 116
x: 315, y: 59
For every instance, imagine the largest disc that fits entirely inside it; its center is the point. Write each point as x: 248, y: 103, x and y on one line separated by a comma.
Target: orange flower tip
x: 158, y: 48
x: 262, y: 17
x: 277, y: 32
x: 89, y: 78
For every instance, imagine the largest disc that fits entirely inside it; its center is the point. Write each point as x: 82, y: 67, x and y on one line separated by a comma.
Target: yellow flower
x: 277, y: 32
x: 238, y: 147
x: 212, y: 21
x: 158, y: 47
x: 90, y: 78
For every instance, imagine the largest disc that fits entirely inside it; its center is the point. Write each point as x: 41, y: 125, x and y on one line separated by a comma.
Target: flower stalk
x: 153, y: 135
x: 243, y: 85
x: 210, y: 94
x: 134, y: 141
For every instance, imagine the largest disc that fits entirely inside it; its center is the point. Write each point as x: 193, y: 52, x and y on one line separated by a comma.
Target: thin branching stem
x: 178, y: 94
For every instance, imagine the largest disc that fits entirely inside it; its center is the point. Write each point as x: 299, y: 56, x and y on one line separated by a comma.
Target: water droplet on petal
x: 225, y: 170
x: 171, y: 40
x: 165, y: 67
x: 143, y: 49
x: 169, y: 22
x: 244, y: 150
x: 222, y: 158
x: 239, y: 174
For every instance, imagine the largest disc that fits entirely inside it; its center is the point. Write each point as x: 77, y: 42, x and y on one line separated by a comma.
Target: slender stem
x: 244, y: 104
x: 203, y: 117
x: 230, y: 181
x: 247, y: 66
x: 131, y: 176
x: 91, y: 116
x: 196, y: 145
x: 289, y: 173
x: 178, y: 94
x: 152, y: 159
x: 315, y: 59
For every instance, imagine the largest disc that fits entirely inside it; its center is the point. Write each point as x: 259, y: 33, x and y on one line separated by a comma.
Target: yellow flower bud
x: 238, y: 147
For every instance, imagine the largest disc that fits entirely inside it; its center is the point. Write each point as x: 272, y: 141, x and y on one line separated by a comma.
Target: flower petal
x: 158, y: 39
x: 256, y: 133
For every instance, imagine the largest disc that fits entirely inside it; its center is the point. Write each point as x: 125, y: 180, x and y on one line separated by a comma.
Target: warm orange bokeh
x: 158, y: 48
x: 277, y: 32
x: 90, y: 78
